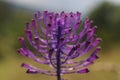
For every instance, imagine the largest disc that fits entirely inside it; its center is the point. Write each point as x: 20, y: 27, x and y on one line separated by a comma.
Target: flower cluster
x: 58, y: 41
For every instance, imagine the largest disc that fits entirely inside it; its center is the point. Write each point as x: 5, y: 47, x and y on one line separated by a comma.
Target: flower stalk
x: 58, y: 55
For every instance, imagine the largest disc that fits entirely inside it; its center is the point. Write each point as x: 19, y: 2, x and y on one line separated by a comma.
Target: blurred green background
x: 12, y: 23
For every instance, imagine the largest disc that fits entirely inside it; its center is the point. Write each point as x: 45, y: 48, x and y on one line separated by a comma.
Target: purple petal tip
x: 21, y: 38
x: 83, y: 71
x: 32, y: 71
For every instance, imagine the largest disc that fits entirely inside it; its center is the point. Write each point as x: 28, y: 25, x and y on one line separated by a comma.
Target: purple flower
x: 59, y: 41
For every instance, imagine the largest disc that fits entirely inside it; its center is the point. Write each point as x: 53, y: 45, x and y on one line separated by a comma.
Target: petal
x: 83, y: 71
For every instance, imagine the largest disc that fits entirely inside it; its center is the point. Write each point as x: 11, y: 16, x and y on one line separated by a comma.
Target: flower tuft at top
x: 59, y: 40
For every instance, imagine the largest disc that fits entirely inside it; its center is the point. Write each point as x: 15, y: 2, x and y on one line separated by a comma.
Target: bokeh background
x: 104, y: 13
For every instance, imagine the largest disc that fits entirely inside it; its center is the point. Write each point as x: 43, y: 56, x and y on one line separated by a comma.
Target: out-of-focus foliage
x: 107, y: 18
x: 5, y: 14
x: 12, y: 24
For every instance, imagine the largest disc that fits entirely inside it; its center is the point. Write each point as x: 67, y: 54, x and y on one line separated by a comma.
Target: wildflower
x: 55, y: 38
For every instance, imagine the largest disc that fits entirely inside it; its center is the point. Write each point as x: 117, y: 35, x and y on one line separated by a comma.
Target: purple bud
x: 32, y: 71
x: 83, y: 71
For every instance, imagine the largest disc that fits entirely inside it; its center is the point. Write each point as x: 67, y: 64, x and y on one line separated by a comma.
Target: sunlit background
x: 104, y: 13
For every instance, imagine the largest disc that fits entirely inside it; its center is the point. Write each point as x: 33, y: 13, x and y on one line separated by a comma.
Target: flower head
x: 57, y: 40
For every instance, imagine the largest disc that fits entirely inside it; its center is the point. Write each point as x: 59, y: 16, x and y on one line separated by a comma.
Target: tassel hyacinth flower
x: 55, y: 38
